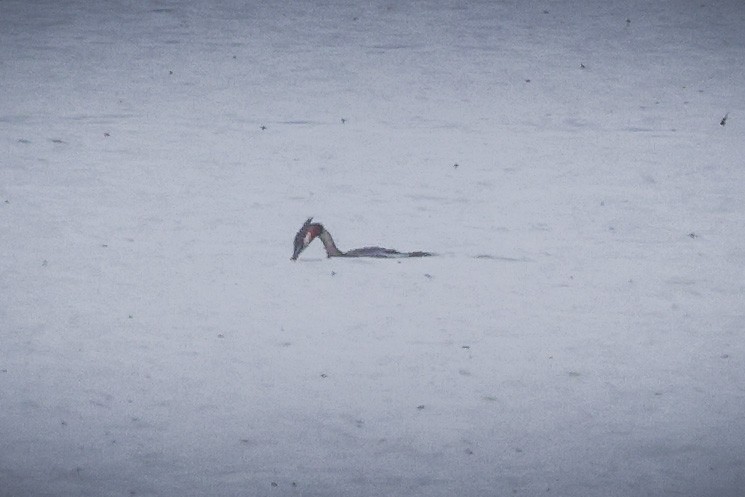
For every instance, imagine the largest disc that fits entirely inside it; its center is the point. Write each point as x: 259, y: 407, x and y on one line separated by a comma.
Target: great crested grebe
x: 310, y: 230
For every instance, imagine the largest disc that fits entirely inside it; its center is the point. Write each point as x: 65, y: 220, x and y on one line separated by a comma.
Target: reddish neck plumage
x: 317, y: 230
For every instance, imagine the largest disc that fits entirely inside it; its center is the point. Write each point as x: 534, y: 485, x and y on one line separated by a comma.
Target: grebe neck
x: 328, y: 243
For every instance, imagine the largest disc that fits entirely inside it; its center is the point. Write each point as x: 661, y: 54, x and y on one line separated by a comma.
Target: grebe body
x: 310, y: 231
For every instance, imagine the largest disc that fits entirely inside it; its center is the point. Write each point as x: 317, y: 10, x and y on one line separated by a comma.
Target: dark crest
x: 301, y: 240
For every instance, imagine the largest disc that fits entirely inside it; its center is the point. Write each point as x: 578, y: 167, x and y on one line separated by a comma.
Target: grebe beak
x: 300, y: 245
x: 296, y: 252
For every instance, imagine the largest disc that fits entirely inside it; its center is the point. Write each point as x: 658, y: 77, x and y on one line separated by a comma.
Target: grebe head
x: 308, y: 231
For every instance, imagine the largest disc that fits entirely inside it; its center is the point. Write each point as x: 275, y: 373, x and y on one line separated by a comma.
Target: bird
x: 309, y: 231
